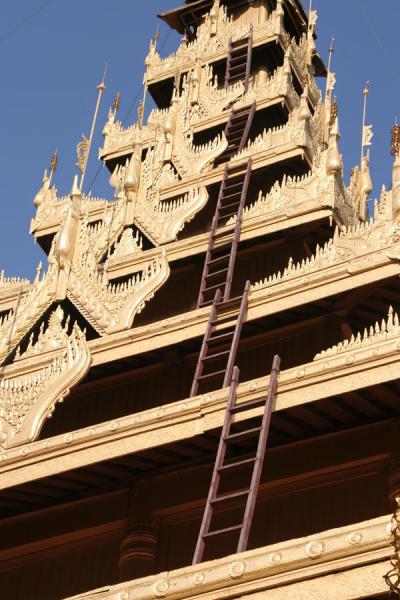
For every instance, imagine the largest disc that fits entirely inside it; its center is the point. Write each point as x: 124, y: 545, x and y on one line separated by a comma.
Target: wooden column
x: 138, y: 550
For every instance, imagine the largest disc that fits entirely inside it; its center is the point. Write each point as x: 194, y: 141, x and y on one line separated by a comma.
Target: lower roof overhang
x: 320, y: 383
x: 347, y: 563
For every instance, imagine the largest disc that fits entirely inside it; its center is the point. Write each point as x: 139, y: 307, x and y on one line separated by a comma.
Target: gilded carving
x: 315, y: 187
x: 30, y: 389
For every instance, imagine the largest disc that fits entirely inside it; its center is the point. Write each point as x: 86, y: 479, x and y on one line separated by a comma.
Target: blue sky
x: 51, y: 61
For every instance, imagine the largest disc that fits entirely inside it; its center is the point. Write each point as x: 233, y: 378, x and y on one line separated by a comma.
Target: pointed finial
x: 54, y: 161
x: 157, y: 35
x: 75, y: 191
x: 102, y: 84
x: 366, y: 132
x: 53, y: 164
x: 140, y: 112
x: 84, y: 147
x: 395, y: 139
x: 38, y: 272
x: 117, y: 101
x: 334, y: 113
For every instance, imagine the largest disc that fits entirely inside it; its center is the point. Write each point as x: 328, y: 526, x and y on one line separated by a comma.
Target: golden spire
x: 142, y: 103
x: 141, y: 113
x: 53, y: 163
x: 333, y: 113
x: 367, y: 134
x: 395, y: 139
x: 156, y: 38
x: 330, y: 78
x: 84, y: 147
x: 117, y: 102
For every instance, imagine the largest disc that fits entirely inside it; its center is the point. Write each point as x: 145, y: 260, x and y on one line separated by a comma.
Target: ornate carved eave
x: 316, y: 187
x: 39, y: 378
x: 357, y: 249
x: 339, y: 564
x: 26, y: 312
x: 110, y: 308
x: 162, y: 221
x: 51, y: 209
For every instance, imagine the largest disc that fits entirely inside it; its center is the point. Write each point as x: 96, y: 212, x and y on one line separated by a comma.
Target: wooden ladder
x: 221, y: 467
x: 219, y: 348
x: 222, y: 245
x: 237, y: 132
x: 238, y: 66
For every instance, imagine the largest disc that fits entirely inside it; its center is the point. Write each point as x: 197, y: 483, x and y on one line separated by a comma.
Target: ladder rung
x: 227, y: 216
x: 209, y: 375
x: 236, y: 465
x: 237, y: 127
x: 214, y: 287
x: 239, y: 119
x: 242, y: 435
x: 230, y: 301
x: 224, y: 245
x: 239, y: 45
x: 235, y: 58
x: 239, y: 193
x: 222, y: 531
x: 239, y: 66
x: 221, y: 234
x: 234, y: 140
x: 220, y: 320
x: 218, y: 355
x: 217, y: 273
x: 231, y: 204
x: 247, y: 405
x: 232, y: 185
x: 230, y: 496
x: 220, y: 338
x: 219, y: 259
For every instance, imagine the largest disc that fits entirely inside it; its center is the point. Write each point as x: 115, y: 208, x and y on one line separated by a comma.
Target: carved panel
x: 30, y: 389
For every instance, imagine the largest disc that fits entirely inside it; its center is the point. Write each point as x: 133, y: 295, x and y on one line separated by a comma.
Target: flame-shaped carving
x: 347, y: 244
x: 29, y: 396
x: 108, y: 307
x: 380, y: 332
x: 7, y: 283
x: 162, y: 221
x: 29, y: 308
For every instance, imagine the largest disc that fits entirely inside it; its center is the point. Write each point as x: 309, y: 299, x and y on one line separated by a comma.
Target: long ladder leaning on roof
x: 222, y: 466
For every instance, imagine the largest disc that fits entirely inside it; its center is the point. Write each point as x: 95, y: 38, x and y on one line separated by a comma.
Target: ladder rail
x: 236, y: 337
x: 219, y: 467
x: 249, y: 56
x: 247, y: 128
x: 204, y: 346
x: 237, y: 231
x: 206, y: 521
x: 228, y: 62
x: 261, y: 449
x: 210, y: 245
